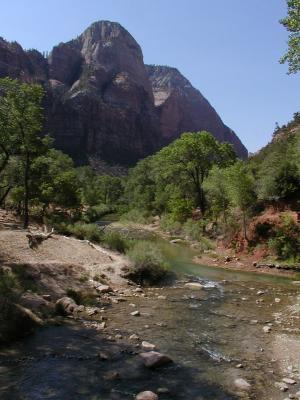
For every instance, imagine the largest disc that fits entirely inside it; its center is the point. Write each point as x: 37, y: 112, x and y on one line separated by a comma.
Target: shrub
x: 86, y: 231
x: 135, y: 215
x: 115, y: 241
x: 149, y: 265
x: 94, y: 213
x: 81, y: 297
x: 170, y: 225
x: 193, y: 230
x: 286, y: 240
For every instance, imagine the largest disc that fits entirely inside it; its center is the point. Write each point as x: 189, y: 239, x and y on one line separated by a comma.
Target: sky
x: 228, y: 49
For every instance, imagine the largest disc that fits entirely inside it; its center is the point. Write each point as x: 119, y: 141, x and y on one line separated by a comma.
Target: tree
x: 292, y: 23
x: 241, y: 189
x: 25, y: 120
x: 54, y: 180
x: 190, y: 158
x: 216, y: 188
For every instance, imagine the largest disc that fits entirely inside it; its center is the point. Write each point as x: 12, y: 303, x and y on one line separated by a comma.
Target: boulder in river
x: 65, y: 306
x: 242, y: 384
x: 153, y: 359
x: 147, y: 395
x: 194, y: 285
x: 104, y: 289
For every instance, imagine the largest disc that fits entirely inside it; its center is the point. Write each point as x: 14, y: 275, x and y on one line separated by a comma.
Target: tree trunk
x: 6, y: 158
x: 26, y: 192
x: 244, y: 226
x: 2, y: 199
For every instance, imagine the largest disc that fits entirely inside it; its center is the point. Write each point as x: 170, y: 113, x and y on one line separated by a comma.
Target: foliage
x: 149, y: 264
x: 171, y: 181
x: 286, y: 240
x: 86, y: 231
x: 135, y: 215
x: 24, y: 118
x: 292, y: 24
x: 115, y: 241
x: 94, y: 213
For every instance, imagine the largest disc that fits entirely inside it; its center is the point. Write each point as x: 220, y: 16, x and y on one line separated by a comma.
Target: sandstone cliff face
x: 103, y: 102
x: 102, y: 99
x: 182, y: 108
x: 17, y: 63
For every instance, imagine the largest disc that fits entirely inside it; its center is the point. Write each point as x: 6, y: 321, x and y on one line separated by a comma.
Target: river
x: 215, y: 336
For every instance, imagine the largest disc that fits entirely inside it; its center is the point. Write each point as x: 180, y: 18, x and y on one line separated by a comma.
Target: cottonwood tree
x: 189, y: 159
x: 22, y: 128
x: 240, y: 187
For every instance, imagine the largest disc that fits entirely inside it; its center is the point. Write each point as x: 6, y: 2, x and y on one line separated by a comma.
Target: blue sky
x: 228, y: 49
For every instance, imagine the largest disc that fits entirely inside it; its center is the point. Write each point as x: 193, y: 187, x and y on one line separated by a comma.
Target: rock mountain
x: 104, y: 103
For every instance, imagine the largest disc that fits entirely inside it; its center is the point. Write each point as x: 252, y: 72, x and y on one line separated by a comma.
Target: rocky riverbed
x: 218, y: 334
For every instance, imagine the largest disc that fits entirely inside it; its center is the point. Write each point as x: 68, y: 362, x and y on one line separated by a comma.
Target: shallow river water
x: 215, y: 336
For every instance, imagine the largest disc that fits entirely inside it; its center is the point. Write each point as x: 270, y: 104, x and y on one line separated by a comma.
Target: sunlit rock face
x: 103, y: 102
x: 182, y: 108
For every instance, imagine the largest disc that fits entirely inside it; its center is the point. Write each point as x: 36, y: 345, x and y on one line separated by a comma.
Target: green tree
x: 189, y: 159
x: 55, y: 181
x: 241, y: 189
x: 216, y: 188
x: 292, y: 23
x: 25, y: 120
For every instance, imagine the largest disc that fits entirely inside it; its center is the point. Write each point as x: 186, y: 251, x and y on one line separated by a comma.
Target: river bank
x: 219, y: 256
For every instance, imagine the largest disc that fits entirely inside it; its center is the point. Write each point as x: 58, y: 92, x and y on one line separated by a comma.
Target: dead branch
x: 35, y: 239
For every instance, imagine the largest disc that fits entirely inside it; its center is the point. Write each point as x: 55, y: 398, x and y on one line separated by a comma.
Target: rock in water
x: 194, y: 285
x: 104, y: 289
x: 242, y: 384
x: 153, y: 359
x: 65, y: 306
x: 147, y: 395
x: 148, y: 346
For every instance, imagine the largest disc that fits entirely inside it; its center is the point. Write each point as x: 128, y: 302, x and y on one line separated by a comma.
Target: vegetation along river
x: 240, y: 329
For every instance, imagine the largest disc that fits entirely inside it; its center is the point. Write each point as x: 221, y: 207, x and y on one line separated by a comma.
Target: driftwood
x: 35, y: 239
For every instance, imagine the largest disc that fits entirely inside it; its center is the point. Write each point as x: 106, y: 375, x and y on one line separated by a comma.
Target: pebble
x: 260, y: 293
x: 134, y: 337
x: 135, y: 313
x: 242, y: 384
x: 283, y: 387
x: 289, y: 381
x: 163, y: 390
x: 266, y: 329
x: 162, y: 297
x: 277, y: 300
x: 148, y: 346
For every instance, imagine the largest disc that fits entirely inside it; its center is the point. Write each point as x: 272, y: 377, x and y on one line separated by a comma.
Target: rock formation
x: 102, y: 101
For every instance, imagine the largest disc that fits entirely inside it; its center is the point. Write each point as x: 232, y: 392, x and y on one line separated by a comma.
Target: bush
x: 86, y: 231
x: 149, y: 266
x: 115, y: 241
x: 168, y: 224
x: 94, y: 213
x: 193, y: 230
x: 137, y: 216
x: 286, y: 240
